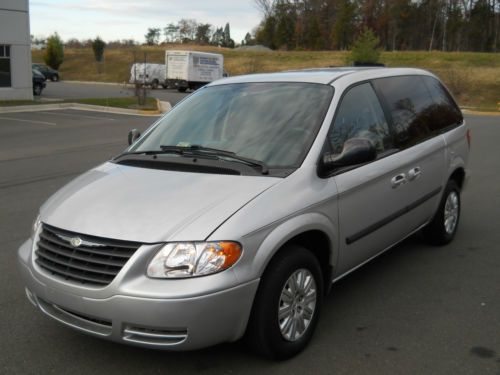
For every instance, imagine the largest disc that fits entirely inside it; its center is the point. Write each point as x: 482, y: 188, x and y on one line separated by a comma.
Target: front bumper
x: 167, y: 323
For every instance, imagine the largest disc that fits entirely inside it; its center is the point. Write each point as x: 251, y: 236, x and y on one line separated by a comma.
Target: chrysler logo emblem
x: 75, y: 241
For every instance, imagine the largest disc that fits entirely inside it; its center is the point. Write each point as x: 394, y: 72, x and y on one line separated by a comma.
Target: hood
x: 147, y: 205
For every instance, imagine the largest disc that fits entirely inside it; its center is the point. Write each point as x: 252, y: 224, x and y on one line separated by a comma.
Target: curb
x: 162, y: 108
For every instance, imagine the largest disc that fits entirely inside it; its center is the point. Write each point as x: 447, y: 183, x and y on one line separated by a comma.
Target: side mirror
x: 355, y: 151
x: 133, y: 135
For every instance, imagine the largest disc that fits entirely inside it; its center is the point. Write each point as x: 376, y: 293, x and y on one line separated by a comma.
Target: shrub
x: 98, y: 46
x: 365, y: 48
x: 54, y: 52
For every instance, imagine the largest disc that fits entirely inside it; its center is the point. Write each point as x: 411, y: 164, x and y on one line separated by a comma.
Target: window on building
x: 5, y: 76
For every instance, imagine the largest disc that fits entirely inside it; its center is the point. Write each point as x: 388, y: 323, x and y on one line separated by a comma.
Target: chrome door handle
x: 398, y: 180
x: 414, y: 173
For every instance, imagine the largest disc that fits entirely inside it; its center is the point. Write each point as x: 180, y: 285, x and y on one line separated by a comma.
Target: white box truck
x: 192, y: 69
x: 148, y: 74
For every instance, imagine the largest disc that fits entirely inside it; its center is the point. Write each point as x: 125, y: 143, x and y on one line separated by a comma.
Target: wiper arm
x: 199, y: 151
x: 202, y: 150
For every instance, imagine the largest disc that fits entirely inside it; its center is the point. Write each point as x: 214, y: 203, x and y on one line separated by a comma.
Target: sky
x: 130, y: 19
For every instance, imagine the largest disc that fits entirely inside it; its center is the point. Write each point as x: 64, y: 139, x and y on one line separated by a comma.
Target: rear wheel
x: 443, y: 226
x: 287, y: 305
x: 154, y: 84
x: 182, y: 89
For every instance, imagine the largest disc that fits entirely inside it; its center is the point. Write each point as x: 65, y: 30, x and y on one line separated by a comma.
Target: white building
x: 15, y: 50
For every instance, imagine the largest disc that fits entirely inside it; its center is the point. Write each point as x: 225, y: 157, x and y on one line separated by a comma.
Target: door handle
x: 398, y: 180
x: 414, y: 173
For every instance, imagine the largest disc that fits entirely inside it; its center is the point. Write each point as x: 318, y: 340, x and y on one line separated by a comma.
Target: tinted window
x: 272, y: 122
x: 411, y: 107
x: 446, y: 113
x: 360, y: 116
x: 5, y: 80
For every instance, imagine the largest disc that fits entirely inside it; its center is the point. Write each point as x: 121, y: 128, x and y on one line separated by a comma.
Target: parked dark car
x: 47, y: 72
x: 38, y: 82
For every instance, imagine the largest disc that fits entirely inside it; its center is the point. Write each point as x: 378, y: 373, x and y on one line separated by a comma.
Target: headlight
x: 190, y: 259
x: 35, y: 227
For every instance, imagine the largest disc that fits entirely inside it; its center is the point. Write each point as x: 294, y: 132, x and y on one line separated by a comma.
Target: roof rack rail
x: 361, y: 63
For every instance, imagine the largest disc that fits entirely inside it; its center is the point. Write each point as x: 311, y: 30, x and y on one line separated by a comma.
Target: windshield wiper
x: 208, y: 151
x: 197, y: 150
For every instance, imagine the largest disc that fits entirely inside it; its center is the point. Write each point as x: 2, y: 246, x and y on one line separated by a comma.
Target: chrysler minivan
x: 234, y: 213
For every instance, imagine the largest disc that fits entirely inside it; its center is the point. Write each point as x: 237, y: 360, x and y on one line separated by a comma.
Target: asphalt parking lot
x: 75, y: 90
x: 415, y: 310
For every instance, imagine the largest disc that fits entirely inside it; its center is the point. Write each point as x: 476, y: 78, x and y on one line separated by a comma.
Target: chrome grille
x: 95, y: 261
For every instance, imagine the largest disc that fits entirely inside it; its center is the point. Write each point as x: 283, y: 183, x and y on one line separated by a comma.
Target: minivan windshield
x: 274, y: 123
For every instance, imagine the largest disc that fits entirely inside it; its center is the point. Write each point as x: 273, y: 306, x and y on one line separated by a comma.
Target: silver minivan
x: 233, y: 214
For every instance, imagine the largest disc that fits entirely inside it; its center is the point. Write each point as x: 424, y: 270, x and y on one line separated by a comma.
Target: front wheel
x: 287, y: 305
x: 37, y: 89
x: 154, y: 84
x: 442, y: 228
x: 54, y: 78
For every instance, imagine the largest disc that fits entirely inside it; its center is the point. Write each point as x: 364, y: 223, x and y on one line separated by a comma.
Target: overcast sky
x: 129, y: 19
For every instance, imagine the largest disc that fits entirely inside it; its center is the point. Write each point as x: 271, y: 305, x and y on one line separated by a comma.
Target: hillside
x: 474, y: 78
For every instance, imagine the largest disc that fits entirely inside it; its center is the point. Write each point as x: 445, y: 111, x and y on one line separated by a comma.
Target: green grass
x: 474, y: 78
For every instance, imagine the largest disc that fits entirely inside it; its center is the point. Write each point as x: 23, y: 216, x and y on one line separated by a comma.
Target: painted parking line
x: 31, y: 121
x: 55, y: 113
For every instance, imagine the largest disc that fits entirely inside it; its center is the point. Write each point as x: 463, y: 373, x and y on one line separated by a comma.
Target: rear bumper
x: 170, y: 323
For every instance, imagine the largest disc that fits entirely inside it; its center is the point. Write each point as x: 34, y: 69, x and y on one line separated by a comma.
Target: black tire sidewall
x: 435, y: 231
x: 268, y: 339
x: 37, y: 90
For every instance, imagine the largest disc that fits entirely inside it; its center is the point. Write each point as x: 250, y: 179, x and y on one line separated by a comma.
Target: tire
x: 267, y: 334
x: 54, y: 78
x: 154, y: 84
x: 441, y: 230
x: 164, y: 86
x: 37, y: 89
x: 182, y: 89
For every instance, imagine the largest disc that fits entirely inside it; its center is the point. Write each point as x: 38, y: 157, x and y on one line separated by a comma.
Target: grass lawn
x: 474, y: 78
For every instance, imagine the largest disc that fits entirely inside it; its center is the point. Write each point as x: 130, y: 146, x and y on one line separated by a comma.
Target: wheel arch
x: 311, y: 231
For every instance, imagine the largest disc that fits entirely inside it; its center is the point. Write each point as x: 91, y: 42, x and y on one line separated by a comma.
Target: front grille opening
x: 87, y: 318
x: 95, y: 262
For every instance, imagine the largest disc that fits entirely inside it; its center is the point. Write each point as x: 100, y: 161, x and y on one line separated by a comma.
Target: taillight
x: 469, y: 136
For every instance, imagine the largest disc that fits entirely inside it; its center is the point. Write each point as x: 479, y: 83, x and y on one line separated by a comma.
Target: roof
x: 323, y: 75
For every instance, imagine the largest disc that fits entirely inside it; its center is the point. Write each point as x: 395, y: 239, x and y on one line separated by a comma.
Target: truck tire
x: 154, y: 84
x: 182, y: 89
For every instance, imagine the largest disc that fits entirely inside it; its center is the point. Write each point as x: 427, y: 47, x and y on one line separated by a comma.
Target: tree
x: 203, y: 31
x: 152, y: 36
x: 228, y: 42
x: 365, y: 48
x: 98, y: 46
x: 171, y: 32
x: 54, y: 52
x: 187, y: 30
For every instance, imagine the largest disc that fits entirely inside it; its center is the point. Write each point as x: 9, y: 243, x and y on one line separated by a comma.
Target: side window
x: 411, y: 108
x: 446, y: 113
x: 360, y: 115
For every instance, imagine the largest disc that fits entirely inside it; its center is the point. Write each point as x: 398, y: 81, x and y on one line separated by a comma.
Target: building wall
x: 15, y: 31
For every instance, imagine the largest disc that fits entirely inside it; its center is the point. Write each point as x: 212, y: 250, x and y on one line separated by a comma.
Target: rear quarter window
x: 447, y: 115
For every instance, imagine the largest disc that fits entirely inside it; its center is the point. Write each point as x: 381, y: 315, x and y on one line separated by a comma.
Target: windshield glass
x: 272, y: 122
